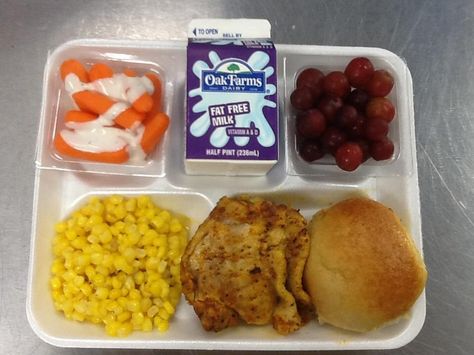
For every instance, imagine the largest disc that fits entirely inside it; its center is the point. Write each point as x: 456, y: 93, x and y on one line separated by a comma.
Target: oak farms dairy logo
x: 233, y: 75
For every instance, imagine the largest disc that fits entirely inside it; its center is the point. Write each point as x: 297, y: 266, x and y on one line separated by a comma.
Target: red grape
x: 358, y: 98
x: 313, y: 79
x: 310, y: 151
x: 346, y: 117
x: 364, y: 145
x: 382, y: 150
x: 349, y: 156
x: 332, y: 138
x: 380, y: 84
x: 336, y: 84
x: 311, y: 124
x: 329, y: 105
x: 359, y: 71
x: 302, y: 99
x: 380, y: 108
x: 376, y: 130
x: 357, y: 128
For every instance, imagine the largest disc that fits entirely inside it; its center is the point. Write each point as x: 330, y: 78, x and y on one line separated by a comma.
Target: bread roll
x: 363, y: 268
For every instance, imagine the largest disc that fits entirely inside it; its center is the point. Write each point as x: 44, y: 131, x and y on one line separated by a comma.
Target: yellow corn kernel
x: 57, y: 295
x: 165, y: 215
x: 150, y: 213
x: 93, y: 239
x: 111, y: 328
x: 152, y: 311
x: 78, y: 280
x: 145, y: 304
x: 70, y: 234
x: 168, y: 307
x: 122, y: 301
x: 129, y: 218
x: 161, y: 324
x: 80, y: 307
x: 102, y: 270
x: 175, y: 270
x: 112, y: 305
x: 82, y: 220
x: 98, y: 280
x: 116, y: 199
x: 120, y: 263
x: 124, y: 329
x: 120, y: 226
x: 120, y: 212
x: 175, y: 226
x: 143, y: 201
x: 129, y: 283
x: 134, y: 294
x: 86, y: 289
x: 152, y: 263
x: 96, y: 258
x: 165, y: 290
x: 160, y: 240
x: 147, y: 325
x: 68, y: 275
x: 108, y: 261
x: 102, y: 293
x: 116, y: 283
x: 129, y: 254
x: 151, y: 251
x: 60, y: 227
x: 95, y: 219
x: 115, y: 293
x: 133, y: 305
x: 122, y: 317
x: 141, y: 253
x: 90, y: 272
x: 94, y: 319
x: 157, y: 222
x: 131, y: 205
x: 149, y: 237
x: 155, y: 289
x: 105, y: 237
x: 143, y: 228
x: 162, y: 266
x: 55, y: 283
x: 163, y: 314
x: 137, y: 318
x: 78, y: 316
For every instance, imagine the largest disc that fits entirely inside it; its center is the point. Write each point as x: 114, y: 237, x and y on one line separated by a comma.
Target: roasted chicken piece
x: 246, y: 262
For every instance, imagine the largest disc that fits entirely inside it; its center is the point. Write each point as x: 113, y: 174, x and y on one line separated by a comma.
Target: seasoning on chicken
x: 246, y: 262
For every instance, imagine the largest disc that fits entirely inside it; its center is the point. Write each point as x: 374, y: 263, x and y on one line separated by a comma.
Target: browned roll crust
x: 363, y: 269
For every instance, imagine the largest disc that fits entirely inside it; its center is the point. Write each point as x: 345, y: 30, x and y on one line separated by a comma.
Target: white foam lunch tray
x: 61, y: 187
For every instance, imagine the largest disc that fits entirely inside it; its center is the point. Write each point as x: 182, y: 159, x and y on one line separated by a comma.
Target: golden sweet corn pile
x: 117, y: 262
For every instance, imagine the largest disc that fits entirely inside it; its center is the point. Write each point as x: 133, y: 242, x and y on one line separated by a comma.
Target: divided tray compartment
x: 63, y: 186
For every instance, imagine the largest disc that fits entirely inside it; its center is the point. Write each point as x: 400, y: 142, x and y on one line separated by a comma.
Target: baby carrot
x: 143, y: 104
x: 119, y: 156
x: 130, y: 72
x: 79, y: 116
x: 75, y: 67
x: 129, y: 117
x: 92, y: 101
x: 155, y: 128
x: 100, y: 71
x: 156, y: 93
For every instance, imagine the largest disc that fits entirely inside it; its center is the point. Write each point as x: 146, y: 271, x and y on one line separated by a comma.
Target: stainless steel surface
x: 435, y: 38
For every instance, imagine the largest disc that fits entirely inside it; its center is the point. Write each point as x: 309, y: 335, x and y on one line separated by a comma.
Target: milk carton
x: 232, y: 113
